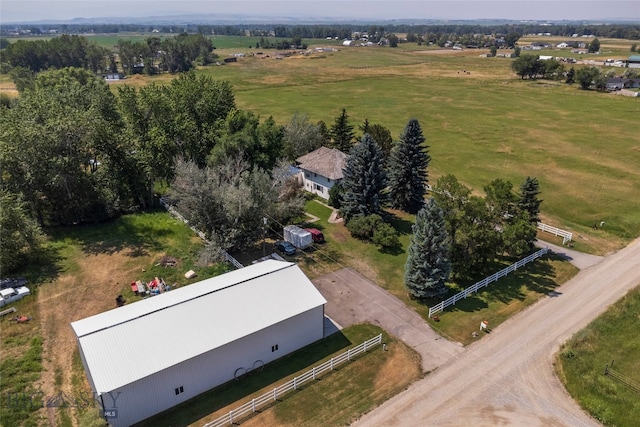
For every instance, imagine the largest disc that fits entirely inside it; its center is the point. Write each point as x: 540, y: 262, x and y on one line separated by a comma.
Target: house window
x: 319, y: 188
x: 274, y: 348
x: 179, y: 390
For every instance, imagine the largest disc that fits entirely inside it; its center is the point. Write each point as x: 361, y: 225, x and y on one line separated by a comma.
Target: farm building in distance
x: 144, y: 358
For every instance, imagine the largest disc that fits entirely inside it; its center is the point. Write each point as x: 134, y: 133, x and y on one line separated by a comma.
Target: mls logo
x: 110, y: 413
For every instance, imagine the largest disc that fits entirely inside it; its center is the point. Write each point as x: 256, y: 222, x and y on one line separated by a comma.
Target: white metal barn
x: 146, y: 357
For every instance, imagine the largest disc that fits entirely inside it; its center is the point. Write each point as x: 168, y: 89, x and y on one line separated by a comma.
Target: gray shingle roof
x: 327, y: 162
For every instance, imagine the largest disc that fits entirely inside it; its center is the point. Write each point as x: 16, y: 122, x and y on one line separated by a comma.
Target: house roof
x: 634, y: 58
x: 327, y: 162
x: 129, y: 343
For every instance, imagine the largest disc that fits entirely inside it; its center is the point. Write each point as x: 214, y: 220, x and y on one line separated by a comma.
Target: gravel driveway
x: 351, y: 299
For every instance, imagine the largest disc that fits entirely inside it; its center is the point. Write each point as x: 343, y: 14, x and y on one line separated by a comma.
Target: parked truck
x: 298, y: 237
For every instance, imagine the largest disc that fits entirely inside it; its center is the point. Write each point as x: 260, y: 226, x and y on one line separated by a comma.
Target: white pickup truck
x: 9, y: 295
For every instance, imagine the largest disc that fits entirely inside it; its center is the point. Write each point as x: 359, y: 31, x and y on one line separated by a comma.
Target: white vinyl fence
x: 200, y: 234
x: 567, y: 236
x: 486, y: 281
x: 254, y: 405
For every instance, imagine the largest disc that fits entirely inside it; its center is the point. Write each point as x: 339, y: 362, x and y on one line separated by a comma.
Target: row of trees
x: 151, y: 56
x: 624, y: 31
x: 155, y: 55
x: 73, y: 152
x: 59, y: 52
x: 590, y: 77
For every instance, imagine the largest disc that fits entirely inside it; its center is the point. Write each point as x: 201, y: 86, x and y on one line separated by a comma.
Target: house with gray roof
x: 321, y: 169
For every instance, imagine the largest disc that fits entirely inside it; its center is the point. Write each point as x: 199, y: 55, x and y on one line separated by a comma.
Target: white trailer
x: 298, y: 237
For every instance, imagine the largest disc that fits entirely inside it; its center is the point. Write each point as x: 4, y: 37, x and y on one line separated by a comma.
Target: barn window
x: 274, y: 348
x: 179, y: 390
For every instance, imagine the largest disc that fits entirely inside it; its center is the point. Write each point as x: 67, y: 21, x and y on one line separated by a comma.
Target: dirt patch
x: 90, y: 291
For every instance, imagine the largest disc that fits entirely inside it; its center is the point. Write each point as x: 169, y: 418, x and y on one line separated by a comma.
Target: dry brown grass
x: 68, y: 299
x: 400, y: 368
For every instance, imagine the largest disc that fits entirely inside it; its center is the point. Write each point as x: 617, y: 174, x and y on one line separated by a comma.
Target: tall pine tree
x: 342, y: 134
x: 428, y: 266
x: 364, y: 181
x: 408, y: 169
x: 529, y: 201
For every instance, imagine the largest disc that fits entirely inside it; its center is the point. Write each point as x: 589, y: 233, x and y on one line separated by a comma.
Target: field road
x: 507, y: 377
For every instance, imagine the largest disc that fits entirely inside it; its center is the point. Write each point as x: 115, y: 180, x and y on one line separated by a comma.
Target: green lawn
x: 496, y: 303
x: 611, y: 338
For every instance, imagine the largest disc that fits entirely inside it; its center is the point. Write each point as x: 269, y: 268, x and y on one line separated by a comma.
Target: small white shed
x: 143, y: 358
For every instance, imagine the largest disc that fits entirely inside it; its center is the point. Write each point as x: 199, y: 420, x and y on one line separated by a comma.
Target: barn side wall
x: 156, y: 393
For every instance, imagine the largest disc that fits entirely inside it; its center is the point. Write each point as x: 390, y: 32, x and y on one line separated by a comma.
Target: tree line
x: 590, y: 77
x: 73, y: 153
x: 154, y: 55
x: 344, y: 30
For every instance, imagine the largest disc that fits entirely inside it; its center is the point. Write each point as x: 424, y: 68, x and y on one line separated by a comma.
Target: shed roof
x: 198, y: 318
x: 327, y: 162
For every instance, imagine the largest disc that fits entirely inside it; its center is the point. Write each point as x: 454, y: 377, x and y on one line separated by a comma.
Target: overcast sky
x: 33, y: 10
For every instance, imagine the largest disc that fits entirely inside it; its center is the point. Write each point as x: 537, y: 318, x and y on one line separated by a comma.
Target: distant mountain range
x: 238, y: 19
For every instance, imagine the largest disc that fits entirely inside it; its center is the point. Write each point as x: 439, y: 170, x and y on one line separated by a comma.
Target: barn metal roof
x: 181, y: 324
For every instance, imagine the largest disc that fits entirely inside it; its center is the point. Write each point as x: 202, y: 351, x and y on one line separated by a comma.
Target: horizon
x: 33, y: 11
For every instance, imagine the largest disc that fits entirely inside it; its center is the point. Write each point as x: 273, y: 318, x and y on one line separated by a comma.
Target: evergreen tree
x: 529, y: 201
x: 408, y: 169
x: 364, y: 180
x: 342, y: 134
x: 428, y: 266
x: 571, y: 76
x: 382, y: 136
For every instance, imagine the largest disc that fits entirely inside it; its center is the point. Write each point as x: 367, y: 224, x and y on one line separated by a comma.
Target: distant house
x: 562, y: 45
x: 348, y: 43
x: 619, y: 83
x: 321, y: 169
x: 633, y: 61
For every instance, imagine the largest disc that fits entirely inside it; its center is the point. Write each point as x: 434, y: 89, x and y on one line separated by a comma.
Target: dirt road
x: 507, y: 377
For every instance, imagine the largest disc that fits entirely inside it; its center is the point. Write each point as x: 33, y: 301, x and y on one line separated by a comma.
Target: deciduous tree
x: 61, y: 149
x: 22, y: 237
x: 300, y: 137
